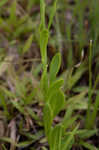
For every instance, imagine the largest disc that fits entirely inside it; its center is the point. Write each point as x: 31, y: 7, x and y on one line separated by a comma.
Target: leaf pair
x: 48, y: 85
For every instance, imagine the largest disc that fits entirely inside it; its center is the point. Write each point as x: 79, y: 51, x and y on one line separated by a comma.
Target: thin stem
x: 90, y: 87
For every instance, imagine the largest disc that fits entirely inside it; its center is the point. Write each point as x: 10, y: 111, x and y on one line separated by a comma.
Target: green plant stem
x: 90, y: 88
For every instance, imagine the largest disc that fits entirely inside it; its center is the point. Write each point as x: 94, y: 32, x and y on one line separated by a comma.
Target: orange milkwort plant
x: 53, y: 95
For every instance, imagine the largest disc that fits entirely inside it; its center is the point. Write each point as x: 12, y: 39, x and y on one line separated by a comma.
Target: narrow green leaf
x: 52, y: 14
x: 44, y: 34
x: 84, y: 134
x: 70, y: 138
x: 3, y: 103
x: 32, y: 114
x: 95, y: 111
x: 18, y: 106
x: 73, y: 79
x: 42, y: 13
x: 44, y: 148
x: 3, y: 2
x: 54, y: 86
x: 8, y: 93
x: 76, y: 99
x: 28, y: 44
x: 13, y: 17
x: 4, y: 66
x: 7, y: 140
x: 55, y: 66
x: 3, y: 147
x: 24, y: 144
x: 44, y: 83
x: 90, y: 88
x: 47, y: 117
x: 56, y: 137
x: 29, y: 98
x: 88, y: 146
x: 33, y: 137
x: 81, y: 105
x: 21, y: 144
x: 64, y: 140
x: 68, y: 114
x: 67, y: 123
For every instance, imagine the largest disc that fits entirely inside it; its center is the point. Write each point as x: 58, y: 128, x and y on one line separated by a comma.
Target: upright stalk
x: 90, y: 88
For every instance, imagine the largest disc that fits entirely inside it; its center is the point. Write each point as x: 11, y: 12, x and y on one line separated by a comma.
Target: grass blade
x: 55, y: 66
x: 28, y: 44
x: 52, y: 14
x: 90, y: 87
x: 70, y: 138
x: 56, y: 137
x: 3, y: 2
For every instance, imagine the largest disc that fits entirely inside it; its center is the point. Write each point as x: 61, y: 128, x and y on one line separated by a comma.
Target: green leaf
x: 47, y: 117
x: 95, y: 111
x: 72, y: 101
x: 32, y: 114
x: 71, y: 80
x: 7, y: 140
x: 69, y: 139
x: 3, y: 147
x: 3, y: 103
x: 53, y: 10
x: 81, y: 105
x: 8, y: 93
x: 55, y: 66
x: 24, y: 144
x: 68, y: 114
x: 44, y: 35
x: 18, y: 106
x: 56, y: 101
x: 3, y: 2
x: 54, y: 86
x: 20, y: 90
x: 84, y: 134
x: 67, y: 123
x: 42, y: 13
x: 28, y: 44
x: 56, y: 138
x: 13, y: 17
x: 88, y: 146
x: 21, y: 144
x: 33, y: 137
x: 44, y: 148
x: 4, y: 66
x: 29, y: 98
x: 69, y: 147
x: 44, y: 83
